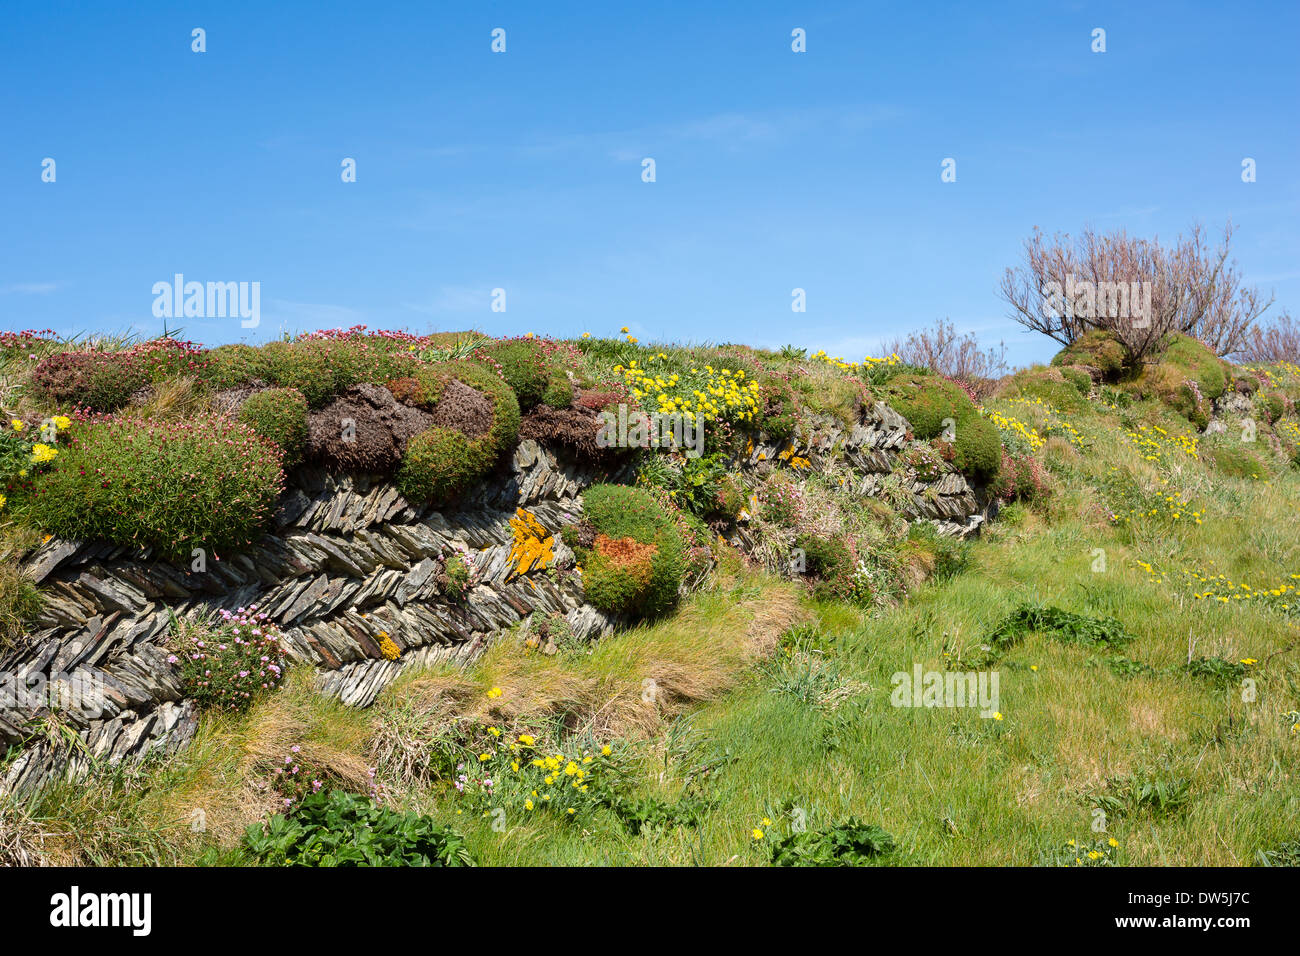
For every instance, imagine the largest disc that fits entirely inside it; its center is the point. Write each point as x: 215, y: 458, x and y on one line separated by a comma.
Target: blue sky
x: 522, y: 170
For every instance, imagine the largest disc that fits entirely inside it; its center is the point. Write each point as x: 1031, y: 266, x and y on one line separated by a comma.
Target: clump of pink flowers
x: 294, y: 778
x: 782, y: 502
x: 230, y: 661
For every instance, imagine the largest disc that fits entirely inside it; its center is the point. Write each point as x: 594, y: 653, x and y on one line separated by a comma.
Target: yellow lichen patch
x: 534, y: 547
x: 388, y: 647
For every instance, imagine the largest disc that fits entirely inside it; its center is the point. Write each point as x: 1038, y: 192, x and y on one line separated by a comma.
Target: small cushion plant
x: 637, y: 561
x: 524, y: 366
x: 442, y: 462
x: 280, y: 416
x: 104, y: 381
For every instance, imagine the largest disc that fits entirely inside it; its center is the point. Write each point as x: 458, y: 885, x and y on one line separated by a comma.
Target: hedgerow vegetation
x: 1139, y: 573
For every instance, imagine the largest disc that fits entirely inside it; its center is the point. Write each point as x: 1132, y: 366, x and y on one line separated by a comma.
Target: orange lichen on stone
x: 534, y: 547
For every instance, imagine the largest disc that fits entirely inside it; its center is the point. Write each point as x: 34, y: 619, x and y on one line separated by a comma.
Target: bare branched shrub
x: 1278, y: 341
x: 1134, y: 288
x: 944, y: 352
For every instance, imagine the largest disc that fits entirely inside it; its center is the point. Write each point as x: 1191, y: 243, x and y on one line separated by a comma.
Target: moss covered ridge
x: 381, y: 403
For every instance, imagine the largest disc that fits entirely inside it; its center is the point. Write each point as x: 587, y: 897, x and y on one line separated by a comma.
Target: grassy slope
x: 808, y: 728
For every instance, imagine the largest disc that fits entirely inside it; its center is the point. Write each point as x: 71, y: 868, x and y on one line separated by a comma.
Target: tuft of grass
x: 20, y: 602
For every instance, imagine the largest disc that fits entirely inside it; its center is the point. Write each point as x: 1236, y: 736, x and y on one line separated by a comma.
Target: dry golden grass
x: 627, y: 687
x: 221, y: 780
x: 22, y: 839
x: 174, y: 398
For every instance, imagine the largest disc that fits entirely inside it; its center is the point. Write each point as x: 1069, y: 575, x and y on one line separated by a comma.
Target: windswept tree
x: 942, y: 350
x: 1276, y: 341
x: 1136, y: 289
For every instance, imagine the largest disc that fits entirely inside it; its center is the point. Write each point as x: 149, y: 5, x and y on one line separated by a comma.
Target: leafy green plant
x: 1285, y: 854
x: 1064, y: 626
x: 697, y: 485
x: 1122, y: 666
x: 1132, y: 793
x: 852, y: 843
x: 335, y: 828
x: 1216, y: 669
x: 655, y: 815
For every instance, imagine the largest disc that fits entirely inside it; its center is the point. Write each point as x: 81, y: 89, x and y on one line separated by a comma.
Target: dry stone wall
x: 348, y: 558
x: 871, y: 450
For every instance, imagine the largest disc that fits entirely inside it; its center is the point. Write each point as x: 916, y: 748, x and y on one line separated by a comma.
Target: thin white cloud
x: 730, y: 129
x: 455, y: 298
x: 29, y: 288
x: 315, y: 315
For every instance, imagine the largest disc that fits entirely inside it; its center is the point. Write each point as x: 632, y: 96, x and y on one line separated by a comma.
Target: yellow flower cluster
x: 711, y: 393
x: 1097, y: 855
x: 1055, y: 420
x: 868, y: 362
x: 558, y: 770
x: 1006, y: 423
x: 1169, y: 507
x: 42, y: 453
x: 1153, y: 442
x: 1223, y: 590
x: 534, y: 546
x: 61, y: 422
